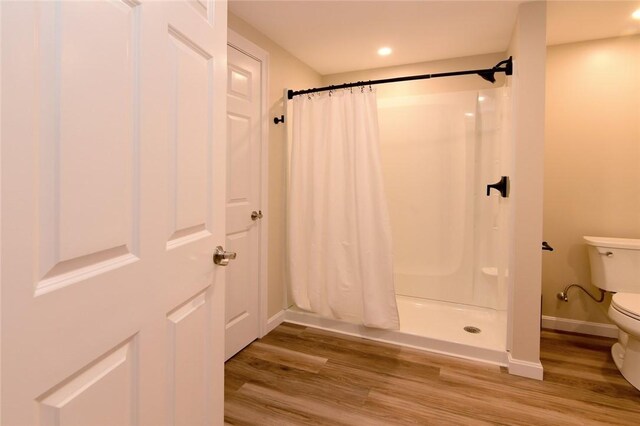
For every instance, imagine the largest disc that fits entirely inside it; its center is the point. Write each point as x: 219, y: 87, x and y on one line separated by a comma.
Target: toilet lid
x: 627, y: 303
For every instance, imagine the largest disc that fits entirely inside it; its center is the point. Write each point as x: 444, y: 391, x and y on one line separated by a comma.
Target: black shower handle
x: 502, y: 186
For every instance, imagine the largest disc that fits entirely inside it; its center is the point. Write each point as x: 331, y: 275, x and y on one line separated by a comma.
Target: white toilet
x: 615, y: 267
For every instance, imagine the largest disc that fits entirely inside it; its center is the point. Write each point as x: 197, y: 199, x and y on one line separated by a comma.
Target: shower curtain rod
x: 505, y: 66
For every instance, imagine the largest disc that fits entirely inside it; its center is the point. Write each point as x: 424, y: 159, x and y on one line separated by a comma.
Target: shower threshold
x: 429, y: 325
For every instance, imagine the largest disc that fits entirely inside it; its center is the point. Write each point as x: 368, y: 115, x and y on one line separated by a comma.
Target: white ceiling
x: 339, y: 36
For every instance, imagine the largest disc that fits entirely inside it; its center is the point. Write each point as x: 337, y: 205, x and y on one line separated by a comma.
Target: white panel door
x: 243, y: 198
x: 113, y: 189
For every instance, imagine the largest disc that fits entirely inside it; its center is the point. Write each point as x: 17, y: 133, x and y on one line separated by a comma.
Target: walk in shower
x: 439, y: 152
x: 450, y: 237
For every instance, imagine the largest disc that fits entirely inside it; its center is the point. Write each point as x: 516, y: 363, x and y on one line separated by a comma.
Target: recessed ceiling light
x: 636, y: 14
x: 384, y: 51
x: 469, y: 114
x: 481, y: 98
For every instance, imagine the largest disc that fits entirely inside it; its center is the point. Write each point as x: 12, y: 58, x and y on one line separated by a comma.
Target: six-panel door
x: 243, y: 197
x: 113, y: 189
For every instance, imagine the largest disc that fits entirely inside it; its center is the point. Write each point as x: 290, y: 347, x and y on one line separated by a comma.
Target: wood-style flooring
x: 299, y: 375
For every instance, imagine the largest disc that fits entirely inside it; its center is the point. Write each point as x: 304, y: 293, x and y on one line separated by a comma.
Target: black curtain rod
x: 505, y: 66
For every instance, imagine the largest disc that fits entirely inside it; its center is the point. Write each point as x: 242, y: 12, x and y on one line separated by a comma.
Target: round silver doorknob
x: 255, y: 215
x: 221, y: 257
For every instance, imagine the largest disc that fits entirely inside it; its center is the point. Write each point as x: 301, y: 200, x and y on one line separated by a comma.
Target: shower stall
x: 462, y: 259
x: 439, y: 152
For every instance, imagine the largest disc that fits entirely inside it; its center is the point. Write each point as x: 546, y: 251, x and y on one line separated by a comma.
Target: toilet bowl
x: 624, y: 312
x: 615, y: 267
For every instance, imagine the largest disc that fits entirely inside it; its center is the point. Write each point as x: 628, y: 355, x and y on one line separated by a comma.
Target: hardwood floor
x: 297, y: 376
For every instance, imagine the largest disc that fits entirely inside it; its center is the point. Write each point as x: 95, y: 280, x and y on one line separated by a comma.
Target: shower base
x: 432, y: 326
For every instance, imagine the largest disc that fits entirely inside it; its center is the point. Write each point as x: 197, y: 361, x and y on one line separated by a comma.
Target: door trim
x: 240, y: 43
x: 1, y: 283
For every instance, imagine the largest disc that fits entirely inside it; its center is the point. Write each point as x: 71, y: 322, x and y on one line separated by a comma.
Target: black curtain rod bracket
x: 488, y: 74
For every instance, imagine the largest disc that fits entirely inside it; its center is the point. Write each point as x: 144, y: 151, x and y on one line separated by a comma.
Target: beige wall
x: 592, y: 162
x: 284, y: 71
x: 528, y: 82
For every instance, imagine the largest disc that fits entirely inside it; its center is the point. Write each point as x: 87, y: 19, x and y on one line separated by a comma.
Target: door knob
x: 255, y: 215
x: 221, y: 257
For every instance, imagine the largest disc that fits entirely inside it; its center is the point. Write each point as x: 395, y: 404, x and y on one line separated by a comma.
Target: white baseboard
x: 273, y: 322
x: 518, y: 367
x: 583, y: 327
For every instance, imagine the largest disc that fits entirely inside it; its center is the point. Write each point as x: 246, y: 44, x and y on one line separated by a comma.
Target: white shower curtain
x: 339, y: 234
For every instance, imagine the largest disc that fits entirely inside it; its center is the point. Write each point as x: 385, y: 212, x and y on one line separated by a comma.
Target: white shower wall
x: 439, y: 152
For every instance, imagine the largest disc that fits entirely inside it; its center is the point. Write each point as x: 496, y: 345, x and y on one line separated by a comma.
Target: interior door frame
x: 1, y: 283
x: 249, y: 48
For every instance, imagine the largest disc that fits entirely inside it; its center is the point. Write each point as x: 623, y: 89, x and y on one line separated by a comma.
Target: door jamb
x: 1, y: 283
x: 240, y: 43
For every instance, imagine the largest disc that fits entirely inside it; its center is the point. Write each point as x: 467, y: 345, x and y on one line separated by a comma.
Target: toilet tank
x: 615, y: 263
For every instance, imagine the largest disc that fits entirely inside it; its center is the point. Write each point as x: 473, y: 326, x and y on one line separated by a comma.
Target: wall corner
x: 528, y: 48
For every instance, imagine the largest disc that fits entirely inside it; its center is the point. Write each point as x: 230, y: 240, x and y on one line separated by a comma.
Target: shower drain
x: 472, y: 329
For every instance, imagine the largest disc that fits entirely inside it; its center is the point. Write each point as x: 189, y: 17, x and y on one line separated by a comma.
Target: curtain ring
x: 361, y: 89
